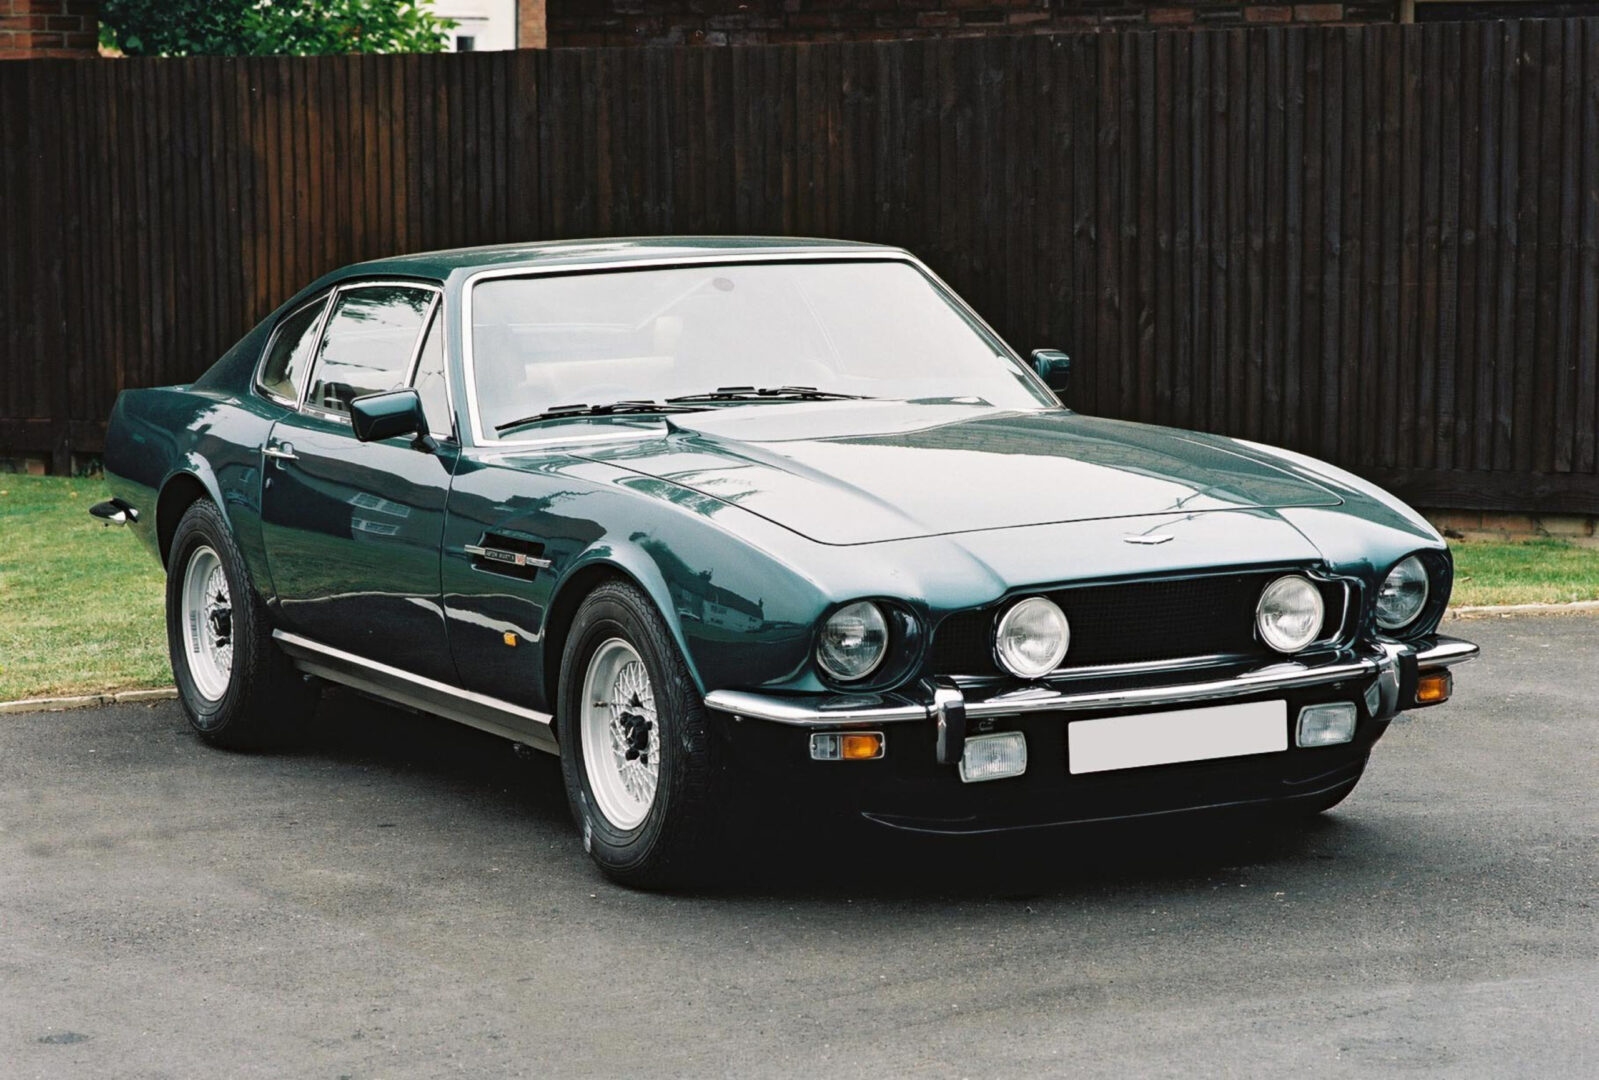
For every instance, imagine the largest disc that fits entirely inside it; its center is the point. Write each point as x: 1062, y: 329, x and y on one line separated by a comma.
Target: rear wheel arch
x: 181, y: 491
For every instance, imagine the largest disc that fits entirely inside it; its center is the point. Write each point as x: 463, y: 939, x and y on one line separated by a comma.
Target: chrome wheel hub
x: 621, y: 738
x: 206, y: 611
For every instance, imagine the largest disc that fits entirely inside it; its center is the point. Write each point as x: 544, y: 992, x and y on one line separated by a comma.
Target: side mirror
x: 389, y: 414
x: 1054, y: 367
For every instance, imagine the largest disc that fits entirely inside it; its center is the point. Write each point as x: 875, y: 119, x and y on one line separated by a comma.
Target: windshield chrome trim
x: 820, y: 254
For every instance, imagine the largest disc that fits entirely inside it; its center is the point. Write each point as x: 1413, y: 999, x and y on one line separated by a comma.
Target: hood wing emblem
x: 1147, y: 538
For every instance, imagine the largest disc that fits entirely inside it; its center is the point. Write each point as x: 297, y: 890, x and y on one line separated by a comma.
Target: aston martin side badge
x: 1147, y: 538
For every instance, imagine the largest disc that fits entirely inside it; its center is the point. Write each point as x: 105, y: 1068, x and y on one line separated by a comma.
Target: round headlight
x: 854, y: 639
x: 1289, y: 613
x: 1032, y: 638
x: 1403, y: 595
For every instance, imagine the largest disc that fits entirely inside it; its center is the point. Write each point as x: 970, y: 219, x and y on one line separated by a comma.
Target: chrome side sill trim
x: 451, y: 702
x: 856, y: 712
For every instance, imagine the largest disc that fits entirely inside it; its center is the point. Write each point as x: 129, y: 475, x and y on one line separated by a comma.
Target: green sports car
x: 770, y: 519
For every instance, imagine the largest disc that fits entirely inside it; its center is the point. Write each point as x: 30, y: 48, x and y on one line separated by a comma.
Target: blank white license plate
x: 1221, y: 731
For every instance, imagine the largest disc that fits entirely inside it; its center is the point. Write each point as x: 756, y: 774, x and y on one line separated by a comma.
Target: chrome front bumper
x: 1384, y: 674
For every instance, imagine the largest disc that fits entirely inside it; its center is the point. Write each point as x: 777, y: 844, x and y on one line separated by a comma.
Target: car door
x: 351, y: 529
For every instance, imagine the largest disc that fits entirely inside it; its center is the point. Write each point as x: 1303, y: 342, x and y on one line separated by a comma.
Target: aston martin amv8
x: 725, y: 519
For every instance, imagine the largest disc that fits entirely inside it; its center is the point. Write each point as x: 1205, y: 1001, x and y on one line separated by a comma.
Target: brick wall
x: 750, y: 22
x: 530, y: 29
x: 39, y: 28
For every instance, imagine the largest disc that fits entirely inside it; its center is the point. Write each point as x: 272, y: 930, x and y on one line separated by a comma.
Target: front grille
x: 1135, y: 622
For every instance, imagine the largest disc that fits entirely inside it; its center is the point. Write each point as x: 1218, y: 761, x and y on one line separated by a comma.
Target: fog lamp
x: 846, y: 745
x: 1434, y: 687
x: 1326, y: 725
x: 994, y: 757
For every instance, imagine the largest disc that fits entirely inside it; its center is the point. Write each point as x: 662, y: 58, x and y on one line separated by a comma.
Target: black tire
x: 673, y: 844
x: 265, y: 700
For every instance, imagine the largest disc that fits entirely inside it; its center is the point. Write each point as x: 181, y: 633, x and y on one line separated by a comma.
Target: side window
x: 367, y: 347
x: 429, y: 381
x: 290, y: 352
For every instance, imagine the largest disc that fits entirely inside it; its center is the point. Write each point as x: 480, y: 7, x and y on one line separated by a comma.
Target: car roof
x: 441, y: 264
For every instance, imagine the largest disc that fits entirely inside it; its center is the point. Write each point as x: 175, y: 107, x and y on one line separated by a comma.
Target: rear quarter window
x: 289, y: 353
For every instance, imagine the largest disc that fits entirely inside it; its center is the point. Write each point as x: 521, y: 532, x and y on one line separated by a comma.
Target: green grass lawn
x: 81, y: 605
x: 1524, y: 572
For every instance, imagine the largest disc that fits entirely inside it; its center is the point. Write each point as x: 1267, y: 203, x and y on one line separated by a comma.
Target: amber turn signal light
x: 847, y: 746
x: 1434, y: 687
x: 863, y: 747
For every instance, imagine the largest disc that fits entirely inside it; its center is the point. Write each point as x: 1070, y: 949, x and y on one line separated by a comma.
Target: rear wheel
x: 636, y: 752
x: 237, y: 689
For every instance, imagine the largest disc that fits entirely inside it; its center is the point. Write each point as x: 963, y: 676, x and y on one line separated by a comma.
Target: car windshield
x: 864, y: 329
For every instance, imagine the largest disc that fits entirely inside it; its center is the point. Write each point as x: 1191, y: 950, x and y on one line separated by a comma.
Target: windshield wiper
x: 769, y: 393
x: 615, y: 408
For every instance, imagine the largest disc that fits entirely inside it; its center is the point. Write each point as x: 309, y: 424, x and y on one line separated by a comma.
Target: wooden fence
x: 1376, y: 244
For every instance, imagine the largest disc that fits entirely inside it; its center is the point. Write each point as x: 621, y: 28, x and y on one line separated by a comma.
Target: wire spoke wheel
x: 621, y: 735
x: 207, y: 623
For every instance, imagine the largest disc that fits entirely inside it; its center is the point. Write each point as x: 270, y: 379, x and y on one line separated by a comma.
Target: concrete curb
x: 167, y: 693
x: 1576, y: 607
x: 87, y: 701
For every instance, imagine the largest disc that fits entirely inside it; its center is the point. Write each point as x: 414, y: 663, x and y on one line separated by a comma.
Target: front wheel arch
x: 569, y: 596
x: 563, y: 609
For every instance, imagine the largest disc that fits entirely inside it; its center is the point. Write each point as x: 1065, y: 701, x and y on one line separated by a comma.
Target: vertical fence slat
x: 1378, y: 244
x: 1587, y: 405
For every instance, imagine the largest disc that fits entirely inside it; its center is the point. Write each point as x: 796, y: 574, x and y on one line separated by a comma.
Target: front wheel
x: 636, y: 751
x: 237, y: 689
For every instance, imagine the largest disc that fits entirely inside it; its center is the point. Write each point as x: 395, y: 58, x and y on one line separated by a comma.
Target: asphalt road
x: 404, y: 898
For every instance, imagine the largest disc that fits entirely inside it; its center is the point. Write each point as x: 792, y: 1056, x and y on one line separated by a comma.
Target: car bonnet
x: 866, y: 471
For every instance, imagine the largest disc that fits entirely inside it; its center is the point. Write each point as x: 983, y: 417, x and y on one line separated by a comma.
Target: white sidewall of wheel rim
x: 615, y: 683
x: 205, y: 591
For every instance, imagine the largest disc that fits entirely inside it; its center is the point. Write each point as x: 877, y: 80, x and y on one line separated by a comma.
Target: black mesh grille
x: 1134, y: 622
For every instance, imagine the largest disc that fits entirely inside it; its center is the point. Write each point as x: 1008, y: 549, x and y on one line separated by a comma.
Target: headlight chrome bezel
x: 1316, y: 607
x: 1410, y: 619
x: 1022, y: 609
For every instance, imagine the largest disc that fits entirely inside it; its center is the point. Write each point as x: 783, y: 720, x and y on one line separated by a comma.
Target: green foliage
x: 270, y: 27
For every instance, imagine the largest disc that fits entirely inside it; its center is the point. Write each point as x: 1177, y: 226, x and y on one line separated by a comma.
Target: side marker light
x: 1434, y: 687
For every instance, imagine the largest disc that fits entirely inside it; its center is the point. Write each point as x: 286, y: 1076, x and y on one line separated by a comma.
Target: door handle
x: 283, y: 452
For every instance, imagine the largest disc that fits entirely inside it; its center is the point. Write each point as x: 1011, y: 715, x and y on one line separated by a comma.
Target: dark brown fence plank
x: 1377, y: 244
x: 1587, y: 397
